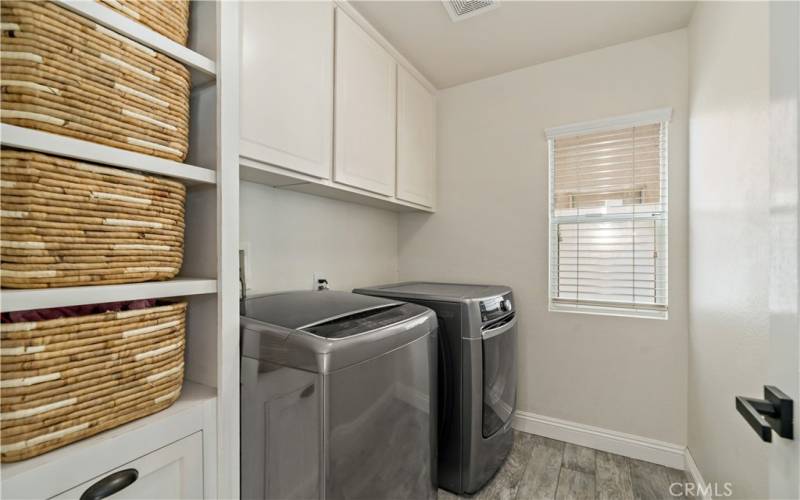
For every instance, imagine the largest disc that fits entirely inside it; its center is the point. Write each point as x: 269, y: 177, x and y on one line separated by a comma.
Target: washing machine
x: 477, y: 375
x: 338, y: 395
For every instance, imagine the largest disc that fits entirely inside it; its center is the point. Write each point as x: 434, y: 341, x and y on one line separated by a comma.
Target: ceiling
x: 515, y: 35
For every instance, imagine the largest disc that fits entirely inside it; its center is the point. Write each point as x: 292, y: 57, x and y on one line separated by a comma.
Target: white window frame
x: 661, y: 115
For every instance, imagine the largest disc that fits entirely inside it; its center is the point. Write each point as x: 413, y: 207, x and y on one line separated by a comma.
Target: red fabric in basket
x: 75, y: 311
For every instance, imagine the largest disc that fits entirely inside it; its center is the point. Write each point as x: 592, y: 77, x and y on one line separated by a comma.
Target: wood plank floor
x: 541, y: 468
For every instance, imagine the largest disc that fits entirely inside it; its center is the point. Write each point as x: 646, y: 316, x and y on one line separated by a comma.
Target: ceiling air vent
x: 463, y: 9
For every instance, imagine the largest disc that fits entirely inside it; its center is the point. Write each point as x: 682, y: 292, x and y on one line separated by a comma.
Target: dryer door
x: 499, y: 373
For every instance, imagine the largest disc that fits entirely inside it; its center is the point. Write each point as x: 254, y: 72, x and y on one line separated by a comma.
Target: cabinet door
x: 287, y: 85
x: 416, y: 141
x: 365, y: 124
x: 173, y: 472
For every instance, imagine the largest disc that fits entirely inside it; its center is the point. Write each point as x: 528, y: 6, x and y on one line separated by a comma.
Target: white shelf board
x: 203, y: 67
x: 110, y: 449
x: 23, y: 300
x: 45, y: 142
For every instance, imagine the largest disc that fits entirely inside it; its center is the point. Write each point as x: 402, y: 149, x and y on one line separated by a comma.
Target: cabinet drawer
x: 174, y: 471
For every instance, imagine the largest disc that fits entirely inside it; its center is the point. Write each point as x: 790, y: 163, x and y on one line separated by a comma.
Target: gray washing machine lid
x: 313, y: 310
x: 326, y: 331
x: 436, y: 291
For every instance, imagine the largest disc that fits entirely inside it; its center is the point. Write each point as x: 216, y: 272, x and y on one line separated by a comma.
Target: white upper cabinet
x: 287, y: 85
x: 329, y: 107
x: 416, y: 141
x: 365, y: 119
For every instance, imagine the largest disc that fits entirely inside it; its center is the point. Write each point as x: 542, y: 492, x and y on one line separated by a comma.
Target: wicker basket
x: 66, y: 223
x: 168, y: 17
x: 67, y: 379
x: 65, y: 74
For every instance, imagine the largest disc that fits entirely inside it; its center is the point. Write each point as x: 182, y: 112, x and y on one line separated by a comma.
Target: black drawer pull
x: 111, y: 484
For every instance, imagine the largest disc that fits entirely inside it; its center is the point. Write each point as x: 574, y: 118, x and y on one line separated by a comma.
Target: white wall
x: 729, y: 238
x: 289, y: 236
x: 623, y: 374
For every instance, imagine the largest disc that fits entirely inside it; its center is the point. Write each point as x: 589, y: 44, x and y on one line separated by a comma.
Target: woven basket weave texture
x: 66, y: 223
x: 65, y: 74
x: 66, y: 379
x: 168, y: 17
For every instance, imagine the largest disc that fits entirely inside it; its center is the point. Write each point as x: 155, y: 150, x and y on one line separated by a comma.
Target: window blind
x: 608, y: 217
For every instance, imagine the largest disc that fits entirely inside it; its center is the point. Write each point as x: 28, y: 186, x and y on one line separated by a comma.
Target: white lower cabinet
x: 172, y: 454
x: 172, y: 472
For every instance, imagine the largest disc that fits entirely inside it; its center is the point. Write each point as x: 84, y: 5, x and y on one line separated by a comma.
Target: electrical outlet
x: 319, y: 276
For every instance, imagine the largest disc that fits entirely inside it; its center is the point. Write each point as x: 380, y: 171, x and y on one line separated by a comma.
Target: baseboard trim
x: 629, y: 445
x: 694, y: 472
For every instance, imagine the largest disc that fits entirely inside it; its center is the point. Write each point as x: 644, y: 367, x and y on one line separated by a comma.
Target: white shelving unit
x: 39, y: 298
x: 208, y: 279
x: 203, y: 68
x: 44, y: 142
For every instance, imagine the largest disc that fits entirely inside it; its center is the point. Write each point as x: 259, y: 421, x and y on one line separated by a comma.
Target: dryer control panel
x: 495, y: 307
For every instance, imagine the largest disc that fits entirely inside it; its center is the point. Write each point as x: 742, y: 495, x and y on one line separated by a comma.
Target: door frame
x: 784, y: 271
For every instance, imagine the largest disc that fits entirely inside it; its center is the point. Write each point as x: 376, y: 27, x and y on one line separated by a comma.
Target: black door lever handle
x: 774, y: 412
x: 749, y: 409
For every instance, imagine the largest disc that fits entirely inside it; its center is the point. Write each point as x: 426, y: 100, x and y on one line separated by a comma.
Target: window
x: 608, y: 215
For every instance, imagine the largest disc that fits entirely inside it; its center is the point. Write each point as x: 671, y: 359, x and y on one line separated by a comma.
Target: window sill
x: 609, y: 311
